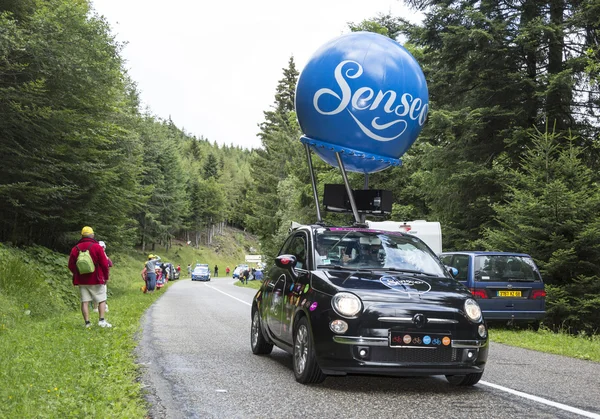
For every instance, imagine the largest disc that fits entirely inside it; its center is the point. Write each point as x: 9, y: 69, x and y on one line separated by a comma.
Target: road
x: 195, y: 349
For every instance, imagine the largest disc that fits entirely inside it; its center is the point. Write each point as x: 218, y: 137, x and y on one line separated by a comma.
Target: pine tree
x: 552, y: 212
x: 211, y: 167
x: 280, y: 145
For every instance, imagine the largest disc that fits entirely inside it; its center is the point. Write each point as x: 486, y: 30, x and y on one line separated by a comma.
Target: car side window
x: 446, y: 259
x: 461, y: 262
x: 298, y: 247
x: 286, y: 246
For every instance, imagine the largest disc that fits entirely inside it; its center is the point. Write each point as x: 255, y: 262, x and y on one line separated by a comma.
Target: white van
x: 428, y: 231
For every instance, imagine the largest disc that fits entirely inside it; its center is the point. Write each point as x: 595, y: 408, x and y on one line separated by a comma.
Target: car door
x: 296, y: 282
x: 275, y: 294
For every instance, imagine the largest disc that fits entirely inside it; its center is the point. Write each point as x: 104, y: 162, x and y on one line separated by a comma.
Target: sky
x: 213, y: 66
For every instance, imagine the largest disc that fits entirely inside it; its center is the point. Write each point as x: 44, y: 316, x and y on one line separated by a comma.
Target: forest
x: 508, y: 160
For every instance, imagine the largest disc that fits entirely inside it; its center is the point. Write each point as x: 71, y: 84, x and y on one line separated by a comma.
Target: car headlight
x: 346, y: 304
x: 472, y: 309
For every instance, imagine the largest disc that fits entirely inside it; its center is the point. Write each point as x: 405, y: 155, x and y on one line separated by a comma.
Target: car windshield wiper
x: 409, y: 271
x: 521, y: 280
x: 345, y: 268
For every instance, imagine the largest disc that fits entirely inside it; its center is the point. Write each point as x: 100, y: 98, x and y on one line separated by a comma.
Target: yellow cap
x: 87, y: 231
x: 151, y: 256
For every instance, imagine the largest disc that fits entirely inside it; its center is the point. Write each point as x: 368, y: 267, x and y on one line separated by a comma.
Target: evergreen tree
x: 65, y: 132
x: 552, y: 212
x: 495, y: 71
x: 280, y: 144
x: 211, y: 167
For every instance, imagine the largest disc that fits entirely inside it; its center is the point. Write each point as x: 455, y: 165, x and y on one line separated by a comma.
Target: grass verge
x: 251, y: 284
x: 54, y: 367
x: 581, y: 347
x: 51, y: 366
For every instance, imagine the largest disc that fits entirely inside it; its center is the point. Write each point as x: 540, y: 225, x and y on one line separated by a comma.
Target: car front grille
x: 410, y: 355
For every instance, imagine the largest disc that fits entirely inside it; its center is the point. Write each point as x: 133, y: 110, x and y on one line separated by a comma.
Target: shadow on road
x: 375, y: 384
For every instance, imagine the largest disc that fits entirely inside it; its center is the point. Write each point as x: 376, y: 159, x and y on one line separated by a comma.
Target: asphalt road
x: 195, y: 348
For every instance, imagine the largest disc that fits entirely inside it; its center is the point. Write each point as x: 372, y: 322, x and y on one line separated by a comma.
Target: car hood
x: 394, y: 286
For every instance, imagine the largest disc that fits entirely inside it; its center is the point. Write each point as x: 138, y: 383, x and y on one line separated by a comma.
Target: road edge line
x: 235, y: 298
x: 542, y: 400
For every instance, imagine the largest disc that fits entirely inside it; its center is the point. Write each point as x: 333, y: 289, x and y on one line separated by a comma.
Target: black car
x: 360, y: 301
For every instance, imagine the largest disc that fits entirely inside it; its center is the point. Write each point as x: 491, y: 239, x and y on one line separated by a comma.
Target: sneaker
x: 87, y: 325
x: 104, y: 323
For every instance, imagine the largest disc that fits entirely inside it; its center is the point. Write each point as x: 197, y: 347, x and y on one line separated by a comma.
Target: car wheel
x: 464, y: 380
x: 306, y: 369
x: 259, y: 344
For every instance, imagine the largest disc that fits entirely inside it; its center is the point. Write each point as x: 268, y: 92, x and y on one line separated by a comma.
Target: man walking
x: 89, y: 266
x: 216, y: 271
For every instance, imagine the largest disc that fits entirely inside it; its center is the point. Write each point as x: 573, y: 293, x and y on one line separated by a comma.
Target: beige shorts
x: 95, y: 293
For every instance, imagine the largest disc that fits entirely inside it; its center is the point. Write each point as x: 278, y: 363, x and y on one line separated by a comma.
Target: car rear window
x: 499, y: 268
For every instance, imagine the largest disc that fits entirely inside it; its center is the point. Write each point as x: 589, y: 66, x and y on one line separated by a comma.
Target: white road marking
x: 229, y: 295
x: 496, y: 386
x: 543, y: 401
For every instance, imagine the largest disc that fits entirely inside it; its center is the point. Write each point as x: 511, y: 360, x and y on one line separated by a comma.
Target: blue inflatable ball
x: 365, y: 96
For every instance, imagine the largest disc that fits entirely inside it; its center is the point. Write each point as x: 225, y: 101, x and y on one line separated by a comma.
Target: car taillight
x: 538, y: 294
x: 478, y: 293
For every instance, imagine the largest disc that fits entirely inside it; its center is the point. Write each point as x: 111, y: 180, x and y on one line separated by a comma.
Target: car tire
x: 258, y: 343
x: 306, y: 369
x: 464, y: 380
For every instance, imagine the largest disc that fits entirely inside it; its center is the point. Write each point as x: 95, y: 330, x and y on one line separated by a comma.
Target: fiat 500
x: 360, y: 301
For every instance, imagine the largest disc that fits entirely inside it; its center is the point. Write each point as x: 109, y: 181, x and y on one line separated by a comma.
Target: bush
x: 36, y: 280
x: 575, y: 307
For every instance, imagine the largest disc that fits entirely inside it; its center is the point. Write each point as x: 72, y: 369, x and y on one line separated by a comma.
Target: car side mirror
x: 453, y: 271
x: 286, y: 261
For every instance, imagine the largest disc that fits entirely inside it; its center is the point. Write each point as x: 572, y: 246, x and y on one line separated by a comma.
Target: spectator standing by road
x: 110, y: 265
x: 149, y: 273
x: 227, y: 270
x: 190, y: 270
x: 245, y: 275
x: 89, y: 266
x: 216, y: 271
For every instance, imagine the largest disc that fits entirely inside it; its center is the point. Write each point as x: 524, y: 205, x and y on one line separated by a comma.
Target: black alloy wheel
x: 464, y: 380
x: 259, y: 344
x: 306, y: 369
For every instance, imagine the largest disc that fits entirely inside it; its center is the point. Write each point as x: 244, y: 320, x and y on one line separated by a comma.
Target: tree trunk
x: 559, y: 97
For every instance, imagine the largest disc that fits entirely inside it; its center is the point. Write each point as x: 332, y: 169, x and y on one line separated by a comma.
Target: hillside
x: 227, y: 249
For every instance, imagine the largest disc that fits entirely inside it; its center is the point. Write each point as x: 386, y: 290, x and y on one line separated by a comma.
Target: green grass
x: 51, y: 366
x: 581, y: 347
x: 251, y: 284
x: 54, y: 367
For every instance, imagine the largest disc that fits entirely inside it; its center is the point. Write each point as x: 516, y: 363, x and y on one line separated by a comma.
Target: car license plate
x: 419, y: 340
x: 509, y: 293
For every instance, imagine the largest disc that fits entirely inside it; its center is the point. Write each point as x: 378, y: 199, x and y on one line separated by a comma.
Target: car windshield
x: 501, y: 268
x: 368, y: 249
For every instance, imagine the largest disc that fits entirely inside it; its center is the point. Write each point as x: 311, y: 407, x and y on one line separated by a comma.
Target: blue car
x: 201, y: 273
x: 508, y: 286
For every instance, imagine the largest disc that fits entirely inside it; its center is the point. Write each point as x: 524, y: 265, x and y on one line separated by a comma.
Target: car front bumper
x: 373, y: 355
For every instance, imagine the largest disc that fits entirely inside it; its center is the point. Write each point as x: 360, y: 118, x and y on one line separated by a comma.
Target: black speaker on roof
x: 368, y: 201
